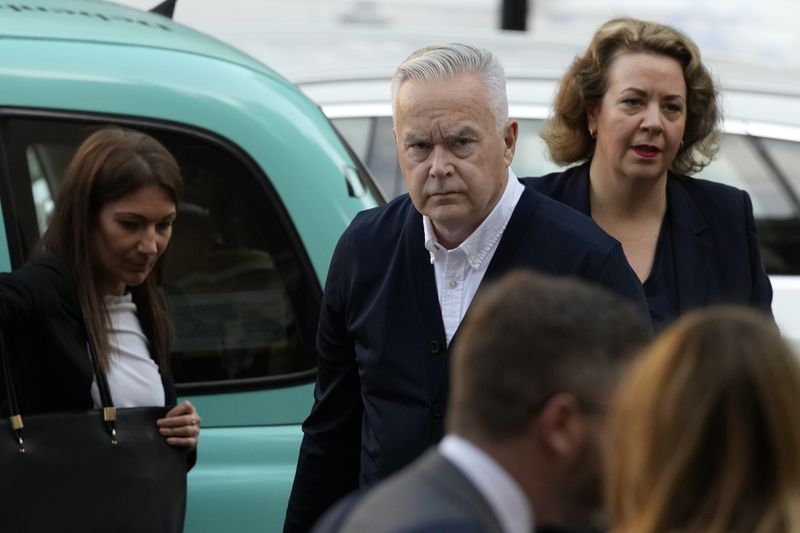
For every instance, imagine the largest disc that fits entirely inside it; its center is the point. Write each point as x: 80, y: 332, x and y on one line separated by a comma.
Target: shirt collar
x: 500, y: 490
x: 480, y: 241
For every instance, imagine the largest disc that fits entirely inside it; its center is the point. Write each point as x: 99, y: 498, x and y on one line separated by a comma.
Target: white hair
x: 445, y: 61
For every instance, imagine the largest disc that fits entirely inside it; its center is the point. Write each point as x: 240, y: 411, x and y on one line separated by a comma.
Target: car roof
x: 347, y: 70
x: 102, y: 22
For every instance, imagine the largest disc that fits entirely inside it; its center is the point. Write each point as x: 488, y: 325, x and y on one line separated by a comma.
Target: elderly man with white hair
x: 403, y: 275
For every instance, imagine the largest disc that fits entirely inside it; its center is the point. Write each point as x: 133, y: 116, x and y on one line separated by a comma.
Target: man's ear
x: 510, y: 134
x: 562, y: 426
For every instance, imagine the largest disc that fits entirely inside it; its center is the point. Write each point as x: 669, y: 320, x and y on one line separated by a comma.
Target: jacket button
x: 435, y: 347
x: 437, y: 410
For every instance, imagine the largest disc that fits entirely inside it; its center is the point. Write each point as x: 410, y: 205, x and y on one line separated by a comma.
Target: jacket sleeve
x: 29, y: 289
x: 761, y: 294
x: 328, y: 463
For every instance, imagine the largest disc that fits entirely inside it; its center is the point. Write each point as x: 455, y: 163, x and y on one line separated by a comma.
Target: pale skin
x: 132, y: 233
x: 639, y: 125
x: 452, y: 156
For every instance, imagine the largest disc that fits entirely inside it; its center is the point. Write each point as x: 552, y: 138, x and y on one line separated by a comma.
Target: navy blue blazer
x: 383, y: 357
x: 715, y: 241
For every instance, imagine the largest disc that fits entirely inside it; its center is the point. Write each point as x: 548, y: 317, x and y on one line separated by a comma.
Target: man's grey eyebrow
x: 465, y: 131
x: 414, y: 137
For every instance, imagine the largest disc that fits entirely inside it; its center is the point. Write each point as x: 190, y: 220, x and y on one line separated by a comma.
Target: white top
x: 133, y: 377
x: 459, y: 271
x: 504, y: 495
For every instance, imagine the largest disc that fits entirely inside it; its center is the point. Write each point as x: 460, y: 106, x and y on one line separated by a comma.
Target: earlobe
x: 591, y: 120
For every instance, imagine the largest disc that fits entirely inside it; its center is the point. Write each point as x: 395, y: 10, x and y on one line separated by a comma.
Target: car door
x: 243, y: 297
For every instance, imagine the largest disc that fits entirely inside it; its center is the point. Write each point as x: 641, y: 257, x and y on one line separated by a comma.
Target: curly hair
x: 584, y: 84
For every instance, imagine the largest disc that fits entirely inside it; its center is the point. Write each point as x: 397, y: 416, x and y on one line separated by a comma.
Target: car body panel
x: 112, y: 83
x: 78, y: 61
x: 242, y: 490
x: 275, y: 407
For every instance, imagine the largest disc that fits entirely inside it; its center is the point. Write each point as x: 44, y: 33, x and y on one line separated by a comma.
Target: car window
x: 740, y: 164
x: 764, y: 167
x: 786, y: 157
x: 743, y: 163
x: 530, y: 158
x: 359, y: 133
x: 242, y: 298
x: 372, y: 139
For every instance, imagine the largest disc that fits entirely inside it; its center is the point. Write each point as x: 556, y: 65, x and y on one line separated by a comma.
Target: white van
x: 347, y: 73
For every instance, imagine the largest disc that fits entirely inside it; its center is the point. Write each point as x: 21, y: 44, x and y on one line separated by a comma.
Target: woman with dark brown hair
x: 638, y: 112
x: 705, y: 430
x: 95, y: 277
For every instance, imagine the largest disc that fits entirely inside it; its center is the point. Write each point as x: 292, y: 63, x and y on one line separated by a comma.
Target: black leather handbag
x: 101, y: 470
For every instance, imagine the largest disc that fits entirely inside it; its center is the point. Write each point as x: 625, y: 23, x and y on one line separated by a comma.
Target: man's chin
x: 446, y: 210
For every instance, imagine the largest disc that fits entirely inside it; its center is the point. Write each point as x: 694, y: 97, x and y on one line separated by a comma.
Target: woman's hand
x: 181, y: 425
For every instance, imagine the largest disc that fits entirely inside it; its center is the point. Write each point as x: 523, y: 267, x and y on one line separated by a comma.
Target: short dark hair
x: 530, y: 336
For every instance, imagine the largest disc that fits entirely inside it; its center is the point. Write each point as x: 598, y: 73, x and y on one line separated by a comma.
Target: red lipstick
x: 647, y: 151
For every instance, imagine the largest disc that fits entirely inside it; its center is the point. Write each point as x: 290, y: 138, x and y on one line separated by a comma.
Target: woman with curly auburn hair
x: 705, y: 430
x: 638, y: 111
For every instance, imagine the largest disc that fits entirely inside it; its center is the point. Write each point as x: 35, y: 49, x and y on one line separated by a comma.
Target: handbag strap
x: 13, y: 406
x: 109, y: 411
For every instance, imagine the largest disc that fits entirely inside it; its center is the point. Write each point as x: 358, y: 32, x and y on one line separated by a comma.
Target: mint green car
x: 270, y: 186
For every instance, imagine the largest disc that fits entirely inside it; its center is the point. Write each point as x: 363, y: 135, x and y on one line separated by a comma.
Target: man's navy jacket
x: 383, y: 357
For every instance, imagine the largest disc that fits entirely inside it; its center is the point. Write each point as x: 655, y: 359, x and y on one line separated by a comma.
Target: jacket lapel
x: 575, y: 189
x: 420, y: 277
x: 691, y: 247
x: 513, y: 239
x: 505, y: 257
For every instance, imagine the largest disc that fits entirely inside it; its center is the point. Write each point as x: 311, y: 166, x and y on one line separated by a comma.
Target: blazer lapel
x: 421, y: 277
x: 456, y: 489
x: 505, y: 257
x: 575, y: 189
x: 691, y: 247
x: 513, y: 239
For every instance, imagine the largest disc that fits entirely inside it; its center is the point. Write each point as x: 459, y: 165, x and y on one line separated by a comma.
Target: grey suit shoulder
x: 431, y: 495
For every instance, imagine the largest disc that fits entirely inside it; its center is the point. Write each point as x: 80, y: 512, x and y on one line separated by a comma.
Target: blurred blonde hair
x: 706, y: 432
x: 583, y: 85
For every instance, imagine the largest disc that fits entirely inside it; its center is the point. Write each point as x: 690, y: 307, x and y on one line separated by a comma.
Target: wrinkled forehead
x: 465, y: 89
x: 445, y: 105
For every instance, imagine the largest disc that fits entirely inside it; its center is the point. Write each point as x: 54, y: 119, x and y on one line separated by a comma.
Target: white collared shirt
x: 459, y: 271
x: 504, y: 495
